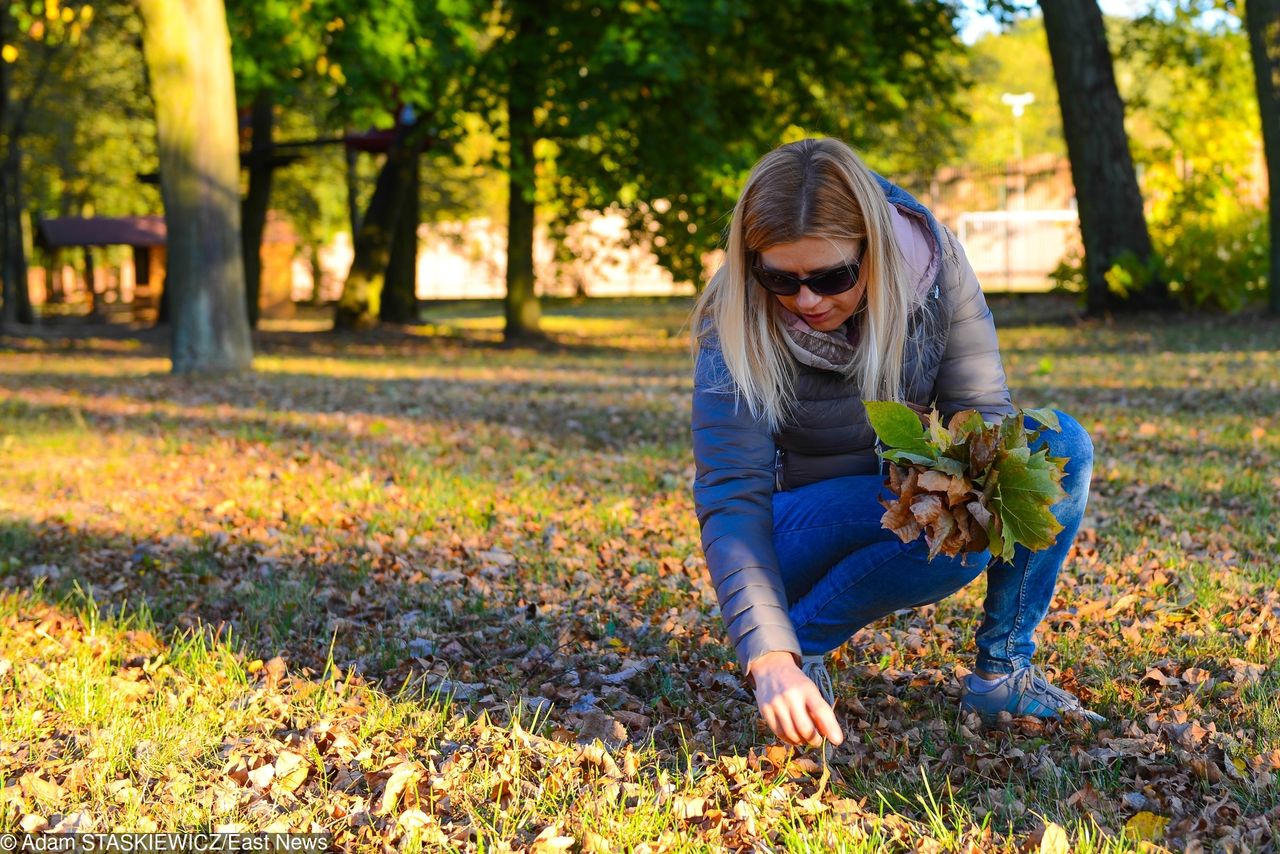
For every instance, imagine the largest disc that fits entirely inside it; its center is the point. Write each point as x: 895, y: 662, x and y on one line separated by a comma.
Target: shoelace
x: 816, y: 670
x: 1033, y: 681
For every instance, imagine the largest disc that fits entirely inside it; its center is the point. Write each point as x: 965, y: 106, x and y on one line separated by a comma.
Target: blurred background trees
x: 360, y: 120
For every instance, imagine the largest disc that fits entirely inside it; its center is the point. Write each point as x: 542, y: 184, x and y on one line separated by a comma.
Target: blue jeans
x: 842, y: 570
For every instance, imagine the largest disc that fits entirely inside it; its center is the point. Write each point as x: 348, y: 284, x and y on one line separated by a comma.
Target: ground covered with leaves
x: 425, y: 592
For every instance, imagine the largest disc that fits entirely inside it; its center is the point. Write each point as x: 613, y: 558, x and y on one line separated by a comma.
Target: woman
x: 837, y: 286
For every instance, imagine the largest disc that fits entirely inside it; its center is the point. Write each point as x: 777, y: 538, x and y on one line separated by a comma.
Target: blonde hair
x: 811, y: 188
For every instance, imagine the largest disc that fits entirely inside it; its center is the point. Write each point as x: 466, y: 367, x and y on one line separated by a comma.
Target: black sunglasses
x: 824, y: 283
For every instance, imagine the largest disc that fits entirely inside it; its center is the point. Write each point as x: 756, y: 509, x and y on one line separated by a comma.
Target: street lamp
x: 1018, y: 103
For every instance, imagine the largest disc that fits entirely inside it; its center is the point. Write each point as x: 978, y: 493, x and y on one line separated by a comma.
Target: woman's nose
x: 807, y: 299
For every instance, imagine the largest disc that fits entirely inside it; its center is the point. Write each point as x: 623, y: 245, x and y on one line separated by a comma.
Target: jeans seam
x: 1019, y: 613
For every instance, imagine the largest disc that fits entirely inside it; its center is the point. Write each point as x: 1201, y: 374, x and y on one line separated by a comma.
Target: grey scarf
x: 829, y: 351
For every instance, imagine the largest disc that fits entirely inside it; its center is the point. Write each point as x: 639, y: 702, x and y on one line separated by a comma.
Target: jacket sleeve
x: 733, y: 496
x: 971, y: 374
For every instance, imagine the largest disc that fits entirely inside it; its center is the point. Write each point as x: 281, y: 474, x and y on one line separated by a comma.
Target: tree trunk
x: 361, y: 303
x: 8, y: 292
x: 53, y: 277
x: 400, y: 294
x: 1112, y: 222
x: 8, y: 246
x: 523, y: 314
x: 17, y: 296
x: 90, y: 280
x: 1262, y: 19
x: 188, y: 57
x: 253, y: 212
x: 317, y: 274
x: 353, y: 191
x: 26, y: 313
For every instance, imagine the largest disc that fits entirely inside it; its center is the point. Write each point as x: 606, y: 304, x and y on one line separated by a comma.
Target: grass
x: 415, y: 588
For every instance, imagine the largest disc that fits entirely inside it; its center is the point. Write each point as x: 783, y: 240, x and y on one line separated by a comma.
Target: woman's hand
x: 790, y: 703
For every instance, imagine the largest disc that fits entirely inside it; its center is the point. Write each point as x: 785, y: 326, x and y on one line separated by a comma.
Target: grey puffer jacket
x: 952, y: 362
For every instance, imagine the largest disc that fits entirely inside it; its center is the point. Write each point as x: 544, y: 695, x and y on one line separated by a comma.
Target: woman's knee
x: 1072, y: 441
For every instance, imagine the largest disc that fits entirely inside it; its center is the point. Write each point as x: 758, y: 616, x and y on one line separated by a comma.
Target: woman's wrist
x: 772, y: 661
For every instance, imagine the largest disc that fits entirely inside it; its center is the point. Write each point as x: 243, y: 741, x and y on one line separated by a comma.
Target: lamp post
x: 1018, y: 103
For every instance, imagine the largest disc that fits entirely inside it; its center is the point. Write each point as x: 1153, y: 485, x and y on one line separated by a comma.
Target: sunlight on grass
x: 470, y: 576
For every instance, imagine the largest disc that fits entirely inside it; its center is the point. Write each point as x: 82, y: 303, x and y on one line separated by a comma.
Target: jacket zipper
x: 777, y: 470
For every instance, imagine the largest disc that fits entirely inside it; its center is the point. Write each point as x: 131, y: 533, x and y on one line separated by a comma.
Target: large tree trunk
x: 8, y: 293
x: 188, y: 57
x: 361, y: 303
x: 8, y: 246
x: 1262, y: 19
x: 13, y: 260
x: 1112, y: 222
x: 523, y: 314
x: 400, y: 294
x: 13, y: 243
x: 253, y: 213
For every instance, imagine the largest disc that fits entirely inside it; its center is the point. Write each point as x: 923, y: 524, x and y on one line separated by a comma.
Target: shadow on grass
x: 592, y: 408
x: 297, y: 607
x: 388, y: 622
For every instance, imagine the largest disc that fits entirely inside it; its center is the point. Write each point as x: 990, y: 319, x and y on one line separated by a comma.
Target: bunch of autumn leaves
x: 968, y: 485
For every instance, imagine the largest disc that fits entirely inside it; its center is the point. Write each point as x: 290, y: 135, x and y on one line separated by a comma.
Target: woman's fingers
x: 825, y: 718
x: 793, y: 707
x: 802, y: 721
x: 770, y: 719
x: 786, y: 729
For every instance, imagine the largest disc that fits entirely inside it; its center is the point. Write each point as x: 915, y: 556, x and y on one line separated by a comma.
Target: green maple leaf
x: 1047, y: 417
x: 949, y: 465
x: 898, y: 427
x: 906, y: 457
x: 1026, y: 487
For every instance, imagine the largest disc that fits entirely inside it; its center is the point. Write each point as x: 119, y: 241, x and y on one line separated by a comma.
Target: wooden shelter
x: 145, y: 235
x: 140, y: 279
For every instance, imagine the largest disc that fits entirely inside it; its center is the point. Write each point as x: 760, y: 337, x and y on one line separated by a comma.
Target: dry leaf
x: 37, y: 787
x: 32, y: 823
x: 290, y: 770
x: 404, y: 774
x: 260, y: 777
x: 550, y: 840
x: 1054, y: 840
x: 686, y: 807
x: 1145, y: 826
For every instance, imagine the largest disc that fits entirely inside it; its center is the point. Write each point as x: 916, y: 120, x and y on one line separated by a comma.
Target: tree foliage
x: 1015, y: 60
x: 1195, y: 130
x: 37, y: 43
x: 662, y: 108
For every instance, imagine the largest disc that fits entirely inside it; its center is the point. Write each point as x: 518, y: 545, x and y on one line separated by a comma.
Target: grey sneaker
x: 815, y: 667
x: 1022, y: 692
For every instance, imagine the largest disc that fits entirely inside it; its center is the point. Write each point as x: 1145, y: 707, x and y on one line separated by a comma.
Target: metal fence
x: 1016, y: 221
